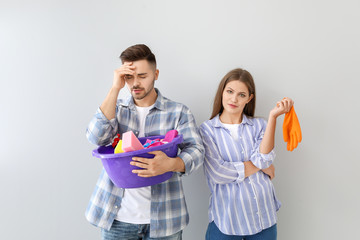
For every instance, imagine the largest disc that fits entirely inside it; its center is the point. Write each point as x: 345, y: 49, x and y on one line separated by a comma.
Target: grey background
x: 56, y: 64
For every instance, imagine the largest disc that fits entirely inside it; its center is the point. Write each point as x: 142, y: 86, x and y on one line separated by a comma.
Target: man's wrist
x: 178, y: 165
x: 115, y: 89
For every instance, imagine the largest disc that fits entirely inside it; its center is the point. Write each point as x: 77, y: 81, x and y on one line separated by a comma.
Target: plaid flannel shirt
x: 169, y: 213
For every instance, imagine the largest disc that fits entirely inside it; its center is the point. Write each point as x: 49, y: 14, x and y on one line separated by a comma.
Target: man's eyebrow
x: 140, y: 74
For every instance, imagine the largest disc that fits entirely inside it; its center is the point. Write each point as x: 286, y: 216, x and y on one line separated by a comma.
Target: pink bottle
x: 130, y: 142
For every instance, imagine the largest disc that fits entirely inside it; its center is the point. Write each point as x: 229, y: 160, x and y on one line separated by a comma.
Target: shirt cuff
x: 239, y: 166
x: 263, y: 160
x: 100, y: 116
x: 187, y: 158
x: 268, y: 156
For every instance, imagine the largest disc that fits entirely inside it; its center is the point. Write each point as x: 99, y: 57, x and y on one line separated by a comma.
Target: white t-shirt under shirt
x: 234, y: 130
x: 135, y: 204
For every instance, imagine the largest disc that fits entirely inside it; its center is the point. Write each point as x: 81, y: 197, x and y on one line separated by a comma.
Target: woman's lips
x: 232, y: 106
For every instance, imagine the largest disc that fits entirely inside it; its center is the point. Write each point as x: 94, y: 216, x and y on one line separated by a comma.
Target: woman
x: 238, y: 162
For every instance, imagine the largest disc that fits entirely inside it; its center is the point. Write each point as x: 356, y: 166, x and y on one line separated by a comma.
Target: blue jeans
x: 128, y: 231
x: 213, y: 233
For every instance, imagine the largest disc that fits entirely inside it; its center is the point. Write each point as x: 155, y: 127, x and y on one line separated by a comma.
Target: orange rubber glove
x: 291, y: 130
x: 287, y: 124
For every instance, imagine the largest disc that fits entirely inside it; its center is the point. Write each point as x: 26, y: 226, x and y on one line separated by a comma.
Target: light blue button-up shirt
x: 238, y: 205
x: 168, y: 208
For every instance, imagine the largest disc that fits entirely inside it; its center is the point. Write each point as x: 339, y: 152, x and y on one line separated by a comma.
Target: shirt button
x: 242, y: 152
x: 116, y: 206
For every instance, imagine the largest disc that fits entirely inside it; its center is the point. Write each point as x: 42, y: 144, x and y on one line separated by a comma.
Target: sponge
x: 118, y: 148
x: 130, y: 142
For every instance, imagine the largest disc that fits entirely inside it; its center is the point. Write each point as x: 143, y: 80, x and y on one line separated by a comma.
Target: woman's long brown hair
x: 241, y: 75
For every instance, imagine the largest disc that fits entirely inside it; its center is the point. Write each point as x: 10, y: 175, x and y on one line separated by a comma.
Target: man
x: 158, y: 211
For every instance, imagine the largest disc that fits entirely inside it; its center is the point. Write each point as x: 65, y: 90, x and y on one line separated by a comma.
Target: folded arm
x: 216, y: 168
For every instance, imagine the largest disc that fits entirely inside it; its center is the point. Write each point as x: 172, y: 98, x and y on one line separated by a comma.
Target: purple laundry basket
x: 118, y: 167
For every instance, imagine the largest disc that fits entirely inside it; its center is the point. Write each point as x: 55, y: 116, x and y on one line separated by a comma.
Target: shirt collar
x: 217, y: 123
x: 159, y: 103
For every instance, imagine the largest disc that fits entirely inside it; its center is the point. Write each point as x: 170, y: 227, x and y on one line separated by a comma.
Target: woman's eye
x: 242, y: 95
x: 229, y: 91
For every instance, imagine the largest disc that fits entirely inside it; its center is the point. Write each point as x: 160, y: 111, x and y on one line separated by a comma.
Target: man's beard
x: 145, y: 94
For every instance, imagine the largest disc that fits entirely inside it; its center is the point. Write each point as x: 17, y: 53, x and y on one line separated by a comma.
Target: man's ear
x: 156, y: 74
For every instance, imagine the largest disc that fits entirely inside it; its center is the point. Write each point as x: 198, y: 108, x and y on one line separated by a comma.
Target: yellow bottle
x: 118, y: 148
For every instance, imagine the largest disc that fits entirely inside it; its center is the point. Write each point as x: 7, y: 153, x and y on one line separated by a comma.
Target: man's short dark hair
x: 138, y: 52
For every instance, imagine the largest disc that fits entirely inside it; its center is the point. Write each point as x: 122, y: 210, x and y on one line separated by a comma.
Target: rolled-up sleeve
x: 101, y: 130
x: 261, y: 160
x: 216, y: 168
x: 192, y: 149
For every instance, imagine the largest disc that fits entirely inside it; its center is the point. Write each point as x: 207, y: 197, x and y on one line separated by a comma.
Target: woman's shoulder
x: 208, y: 127
x: 206, y: 124
x: 210, y: 123
x: 258, y: 119
x: 258, y: 123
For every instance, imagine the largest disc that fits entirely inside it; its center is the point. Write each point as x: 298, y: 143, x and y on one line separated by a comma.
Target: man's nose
x: 136, y: 80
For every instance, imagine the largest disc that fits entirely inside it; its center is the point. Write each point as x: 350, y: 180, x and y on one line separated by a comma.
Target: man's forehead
x: 142, y: 66
x: 141, y: 63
